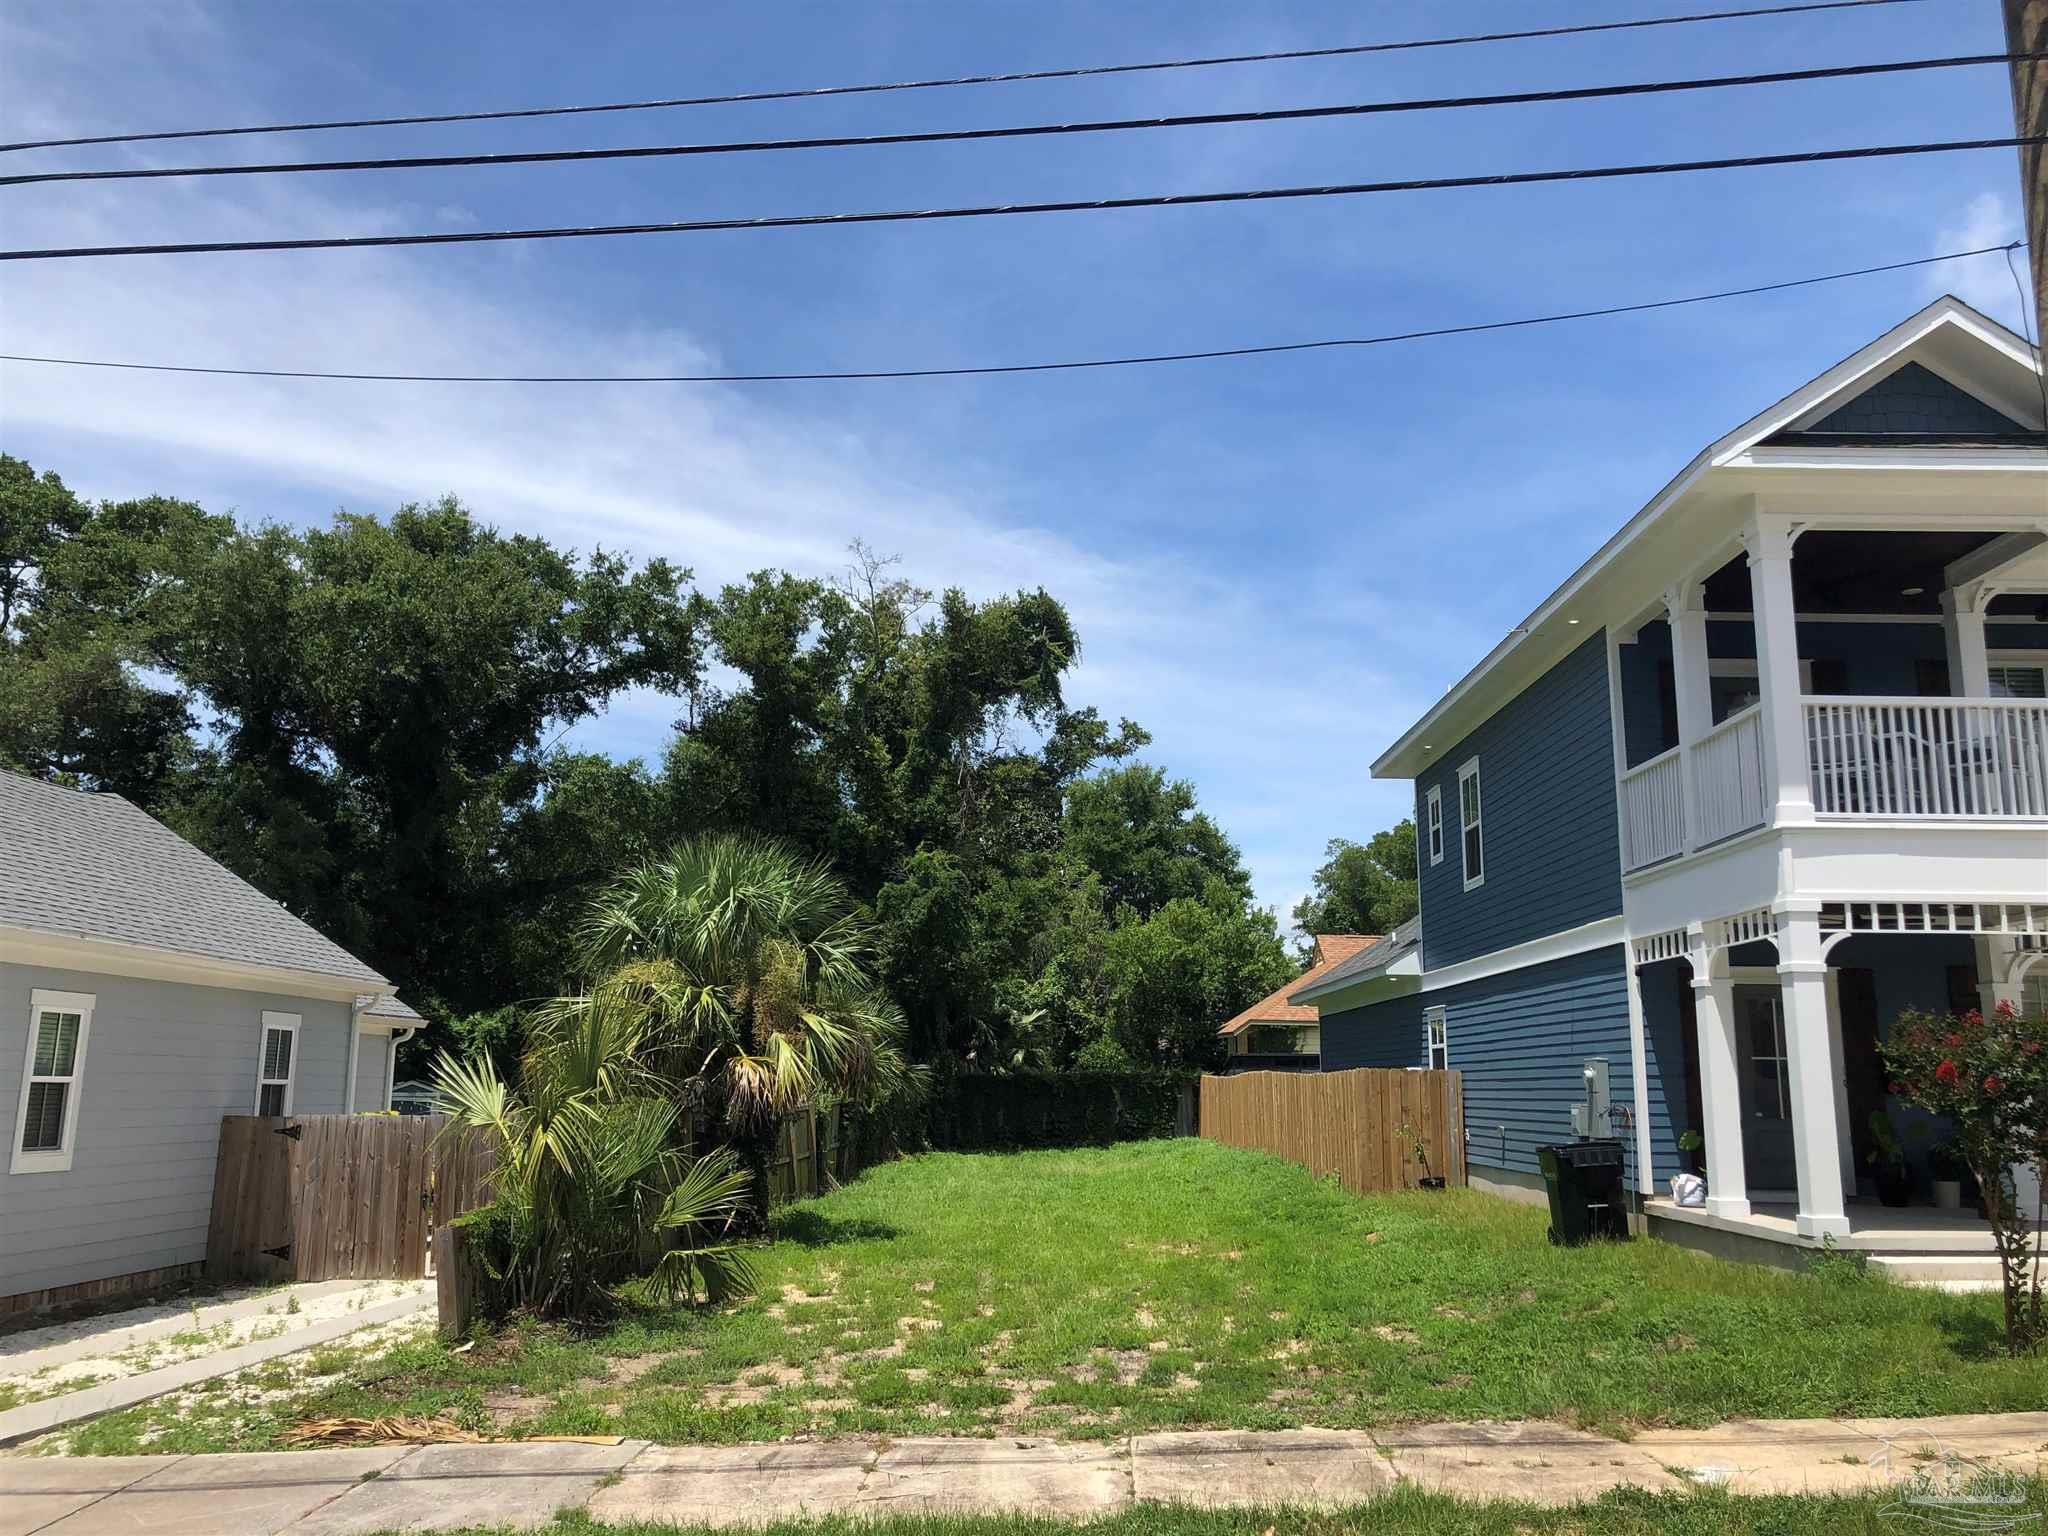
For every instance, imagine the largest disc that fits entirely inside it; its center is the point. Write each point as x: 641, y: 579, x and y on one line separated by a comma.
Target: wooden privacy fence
x: 1346, y: 1123
x: 813, y: 1151
x: 329, y: 1197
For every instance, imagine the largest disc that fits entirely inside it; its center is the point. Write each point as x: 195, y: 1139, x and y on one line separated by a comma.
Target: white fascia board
x: 1408, y: 965
x: 1364, y: 992
x: 1519, y: 957
x: 1976, y: 461
x: 107, y: 957
x: 1405, y: 758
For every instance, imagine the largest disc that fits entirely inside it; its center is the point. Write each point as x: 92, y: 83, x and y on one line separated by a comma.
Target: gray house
x: 144, y: 993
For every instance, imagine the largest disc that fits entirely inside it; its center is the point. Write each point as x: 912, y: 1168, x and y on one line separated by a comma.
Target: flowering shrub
x: 1989, y: 1075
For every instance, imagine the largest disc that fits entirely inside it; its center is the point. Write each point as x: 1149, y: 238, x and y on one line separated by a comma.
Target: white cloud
x: 1274, y: 720
x: 1983, y: 281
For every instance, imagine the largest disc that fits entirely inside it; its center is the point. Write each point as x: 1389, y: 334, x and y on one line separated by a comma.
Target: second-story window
x: 1468, y: 822
x: 1435, y: 820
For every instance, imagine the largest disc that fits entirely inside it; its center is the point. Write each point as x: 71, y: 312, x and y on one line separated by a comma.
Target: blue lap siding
x: 1521, y: 1038
x: 1384, y: 1034
x: 1552, y: 853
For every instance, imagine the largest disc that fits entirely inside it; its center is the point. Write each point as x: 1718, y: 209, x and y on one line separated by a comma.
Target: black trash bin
x: 1584, y: 1181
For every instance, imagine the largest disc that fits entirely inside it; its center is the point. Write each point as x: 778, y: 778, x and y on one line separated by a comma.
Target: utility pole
x: 2026, y: 31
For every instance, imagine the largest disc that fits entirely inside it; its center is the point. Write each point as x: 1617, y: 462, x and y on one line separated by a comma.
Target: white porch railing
x: 1927, y: 757
x: 1728, y: 776
x: 1653, y: 810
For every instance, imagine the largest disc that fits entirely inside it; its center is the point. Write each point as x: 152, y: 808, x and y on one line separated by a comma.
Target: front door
x: 1766, y: 1091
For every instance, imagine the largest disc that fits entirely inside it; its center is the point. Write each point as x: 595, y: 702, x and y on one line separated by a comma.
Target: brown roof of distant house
x: 1332, y: 949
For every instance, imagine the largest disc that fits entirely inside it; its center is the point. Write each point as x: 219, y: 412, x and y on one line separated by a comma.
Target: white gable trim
x: 1406, y: 758
x: 1879, y: 361
x: 105, y: 957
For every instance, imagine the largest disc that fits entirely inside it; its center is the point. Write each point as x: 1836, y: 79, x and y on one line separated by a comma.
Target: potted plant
x: 1692, y: 1151
x: 1950, y: 1170
x: 1420, y: 1149
x: 1887, y: 1161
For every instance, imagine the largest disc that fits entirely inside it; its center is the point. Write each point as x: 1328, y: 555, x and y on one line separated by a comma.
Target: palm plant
x: 591, y: 1181
x: 745, y: 967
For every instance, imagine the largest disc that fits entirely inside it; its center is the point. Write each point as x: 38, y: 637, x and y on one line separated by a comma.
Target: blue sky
x: 1275, y: 564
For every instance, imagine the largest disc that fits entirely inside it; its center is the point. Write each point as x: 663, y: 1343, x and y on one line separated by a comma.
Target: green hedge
x: 1051, y: 1109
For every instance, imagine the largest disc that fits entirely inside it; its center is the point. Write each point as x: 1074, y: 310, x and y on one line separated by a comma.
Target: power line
x: 1031, y: 130
x: 1010, y: 77
x: 917, y: 215
x: 1132, y: 361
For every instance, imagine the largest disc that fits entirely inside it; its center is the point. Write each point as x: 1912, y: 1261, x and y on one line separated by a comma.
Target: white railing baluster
x: 1653, y: 810
x: 1900, y: 757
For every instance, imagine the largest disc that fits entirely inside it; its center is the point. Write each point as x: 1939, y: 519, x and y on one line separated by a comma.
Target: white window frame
x: 1436, y: 1038
x: 40, y: 1002
x: 1469, y: 771
x: 288, y: 1022
x: 2008, y: 659
x: 1433, y: 824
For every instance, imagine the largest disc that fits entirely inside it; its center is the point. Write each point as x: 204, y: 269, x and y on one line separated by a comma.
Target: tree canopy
x: 1367, y: 887
x: 364, y: 719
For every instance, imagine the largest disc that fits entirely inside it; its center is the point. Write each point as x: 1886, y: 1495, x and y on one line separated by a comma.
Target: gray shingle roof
x: 394, y: 1008
x: 95, y: 867
x: 1370, y: 961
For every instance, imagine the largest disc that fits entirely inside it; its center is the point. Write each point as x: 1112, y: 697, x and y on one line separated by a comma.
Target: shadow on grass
x: 812, y: 1230
x: 1974, y: 1335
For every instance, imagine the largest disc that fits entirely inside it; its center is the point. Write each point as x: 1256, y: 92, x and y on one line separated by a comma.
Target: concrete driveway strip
x: 35, y: 1494
x: 251, y: 1494
x: 1040, y: 1477
x: 446, y: 1487
x: 1296, y: 1466
x: 737, y: 1484
x: 1542, y: 1462
x: 55, y: 1412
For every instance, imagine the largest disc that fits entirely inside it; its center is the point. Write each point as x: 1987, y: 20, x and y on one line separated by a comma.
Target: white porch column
x: 1685, y: 606
x: 1962, y: 628
x: 1813, y: 1068
x: 1768, y: 541
x: 1713, y: 1001
x: 1839, y: 1071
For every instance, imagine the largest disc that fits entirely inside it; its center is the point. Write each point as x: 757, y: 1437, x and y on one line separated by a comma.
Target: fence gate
x: 249, y: 1232
x: 328, y: 1197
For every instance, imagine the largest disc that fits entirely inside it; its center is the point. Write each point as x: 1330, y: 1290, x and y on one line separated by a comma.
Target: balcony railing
x: 1928, y: 757
x: 1728, y: 777
x: 1653, y: 810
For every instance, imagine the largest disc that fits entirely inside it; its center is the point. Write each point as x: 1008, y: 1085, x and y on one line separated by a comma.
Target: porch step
x: 1940, y: 1271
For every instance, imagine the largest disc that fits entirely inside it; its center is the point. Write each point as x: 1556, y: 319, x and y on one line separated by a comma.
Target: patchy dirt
x: 507, y: 1407
x: 627, y: 1369
x: 1394, y: 1334
x: 756, y: 1385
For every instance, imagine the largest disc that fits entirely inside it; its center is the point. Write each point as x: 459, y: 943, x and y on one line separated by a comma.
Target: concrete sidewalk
x: 443, y: 1487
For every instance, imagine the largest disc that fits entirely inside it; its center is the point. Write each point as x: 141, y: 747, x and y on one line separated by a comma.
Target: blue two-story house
x: 1768, y: 769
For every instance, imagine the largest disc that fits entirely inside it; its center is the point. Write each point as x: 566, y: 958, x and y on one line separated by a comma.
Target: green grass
x: 1626, y: 1512
x: 1175, y: 1284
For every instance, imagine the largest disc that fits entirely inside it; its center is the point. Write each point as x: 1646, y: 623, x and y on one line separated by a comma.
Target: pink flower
x: 2004, y: 1009
x: 1952, y: 1041
x: 1946, y: 1072
x: 1992, y: 1084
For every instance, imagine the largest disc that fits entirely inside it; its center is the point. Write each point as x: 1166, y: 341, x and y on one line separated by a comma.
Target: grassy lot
x: 1164, y: 1284
x: 1626, y: 1513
